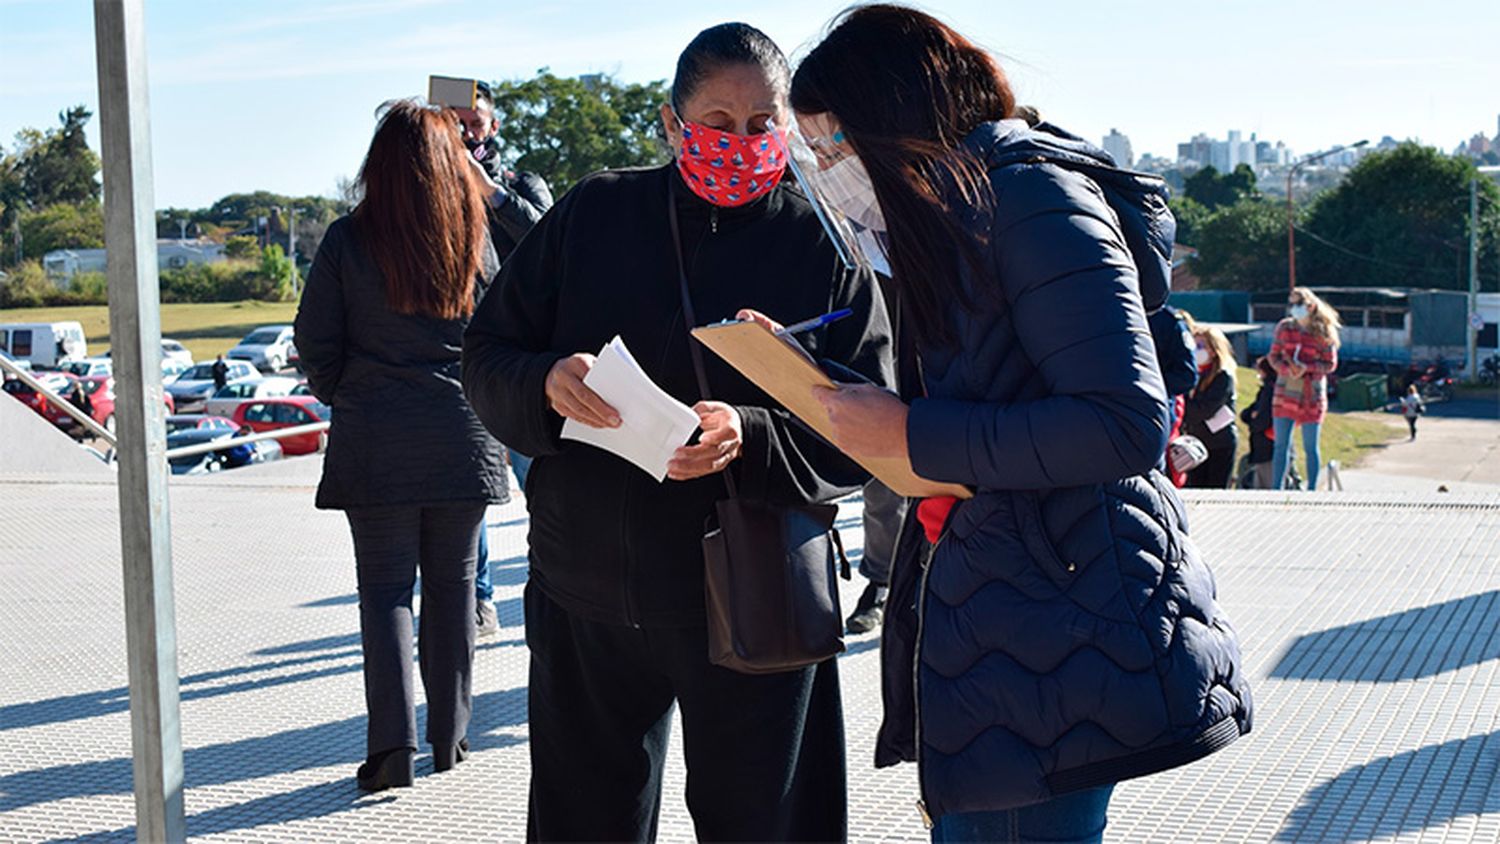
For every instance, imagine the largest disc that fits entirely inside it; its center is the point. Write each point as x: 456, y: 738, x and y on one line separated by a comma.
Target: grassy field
x: 1345, y: 438
x: 206, y: 329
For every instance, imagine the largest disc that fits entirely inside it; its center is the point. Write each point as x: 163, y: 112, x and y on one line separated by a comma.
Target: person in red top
x: 1304, y: 351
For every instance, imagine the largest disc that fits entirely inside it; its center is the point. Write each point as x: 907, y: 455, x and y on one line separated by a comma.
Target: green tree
x: 1400, y: 218
x: 1215, y: 190
x: 63, y: 226
x: 1191, y: 215
x: 57, y: 165
x: 563, y: 128
x: 241, y: 246
x: 1243, y: 247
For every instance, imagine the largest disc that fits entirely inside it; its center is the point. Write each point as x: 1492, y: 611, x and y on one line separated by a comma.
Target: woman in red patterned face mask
x: 615, y: 615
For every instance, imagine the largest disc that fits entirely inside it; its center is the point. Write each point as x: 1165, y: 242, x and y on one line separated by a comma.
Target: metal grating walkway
x: 1371, y: 626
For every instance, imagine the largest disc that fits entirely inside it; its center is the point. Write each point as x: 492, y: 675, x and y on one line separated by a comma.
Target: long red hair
x: 422, y: 217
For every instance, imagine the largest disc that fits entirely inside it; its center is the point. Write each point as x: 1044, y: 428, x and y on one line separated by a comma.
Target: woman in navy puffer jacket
x: 1058, y: 632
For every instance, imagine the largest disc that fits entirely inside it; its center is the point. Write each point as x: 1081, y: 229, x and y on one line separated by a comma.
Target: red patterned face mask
x: 729, y: 170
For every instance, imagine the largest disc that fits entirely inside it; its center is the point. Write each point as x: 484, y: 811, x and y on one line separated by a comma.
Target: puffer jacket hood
x: 1064, y: 632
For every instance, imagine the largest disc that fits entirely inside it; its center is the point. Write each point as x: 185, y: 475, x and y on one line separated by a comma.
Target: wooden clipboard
x: 788, y: 376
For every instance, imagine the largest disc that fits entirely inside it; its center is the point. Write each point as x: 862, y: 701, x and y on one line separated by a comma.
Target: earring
x: 838, y: 136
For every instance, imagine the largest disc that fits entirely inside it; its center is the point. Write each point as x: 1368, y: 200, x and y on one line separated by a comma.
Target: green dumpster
x: 1362, y: 391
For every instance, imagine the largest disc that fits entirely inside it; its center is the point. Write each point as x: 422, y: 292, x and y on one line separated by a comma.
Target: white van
x: 44, y: 344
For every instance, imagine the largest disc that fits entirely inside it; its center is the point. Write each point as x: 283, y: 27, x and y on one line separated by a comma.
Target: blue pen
x: 815, y: 322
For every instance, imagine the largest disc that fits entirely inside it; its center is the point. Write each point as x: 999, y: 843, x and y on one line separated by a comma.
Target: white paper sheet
x: 652, y: 423
x: 1220, y: 420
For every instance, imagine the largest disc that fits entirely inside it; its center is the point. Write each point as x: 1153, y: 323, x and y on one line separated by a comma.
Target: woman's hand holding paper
x: 570, y: 398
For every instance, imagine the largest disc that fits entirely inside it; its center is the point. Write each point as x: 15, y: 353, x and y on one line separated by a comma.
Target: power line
x: 1374, y: 260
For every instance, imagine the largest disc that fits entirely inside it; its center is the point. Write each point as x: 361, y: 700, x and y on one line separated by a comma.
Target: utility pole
x: 291, y: 247
x: 1471, y: 363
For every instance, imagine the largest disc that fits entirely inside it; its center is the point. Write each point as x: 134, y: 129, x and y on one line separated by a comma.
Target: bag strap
x: 690, y: 319
x: 838, y: 546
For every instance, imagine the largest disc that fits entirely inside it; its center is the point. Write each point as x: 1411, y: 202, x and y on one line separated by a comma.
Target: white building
x: 63, y: 264
x: 1118, y: 147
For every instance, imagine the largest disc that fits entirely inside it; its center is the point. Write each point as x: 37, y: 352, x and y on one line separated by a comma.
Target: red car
x: 101, y: 392
x: 58, y: 382
x: 273, y: 414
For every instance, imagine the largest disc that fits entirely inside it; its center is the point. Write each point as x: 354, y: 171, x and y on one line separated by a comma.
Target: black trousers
x: 765, y: 753
x: 390, y: 545
x: 1215, y: 472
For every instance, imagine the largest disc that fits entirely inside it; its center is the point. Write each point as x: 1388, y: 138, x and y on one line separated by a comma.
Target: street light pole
x: 1473, y: 351
x: 1291, y: 209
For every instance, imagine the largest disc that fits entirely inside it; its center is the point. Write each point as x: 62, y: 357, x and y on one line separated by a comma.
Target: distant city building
x: 1195, y: 153
x: 1118, y: 147
x: 1479, y: 144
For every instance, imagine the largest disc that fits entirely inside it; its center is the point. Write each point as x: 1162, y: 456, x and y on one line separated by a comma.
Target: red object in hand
x: 933, y: 514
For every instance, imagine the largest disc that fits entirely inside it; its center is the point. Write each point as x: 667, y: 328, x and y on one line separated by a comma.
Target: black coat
x: 524, y: 199
x: 402, y: 431
x: 1257, y: 418
x: 1203, y: 402
x: 608, y: 542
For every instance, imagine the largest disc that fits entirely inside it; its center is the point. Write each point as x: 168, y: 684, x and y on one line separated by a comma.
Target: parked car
x: 273, y: 414
x: 193, y: 421
x: 43, y: 343
x: 233, y: 395
x: 294, y: 358
x: 218, y: 460
x: 171, y: 350
x: 101, y: 392
x: 173, y: 367
x: 266, y: 347
x: 58, y: 382
x: 192, y: 388
x: 87, y: 367
x: 302, y: 389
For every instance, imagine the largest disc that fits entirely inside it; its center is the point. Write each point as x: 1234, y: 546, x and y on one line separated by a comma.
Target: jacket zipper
x: 630, y: 608
x: 916, y: 683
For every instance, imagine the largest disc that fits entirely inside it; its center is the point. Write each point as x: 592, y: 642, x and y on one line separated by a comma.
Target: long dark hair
x: 723, y: 45
x: 422, y: 217
x: 907, y: 89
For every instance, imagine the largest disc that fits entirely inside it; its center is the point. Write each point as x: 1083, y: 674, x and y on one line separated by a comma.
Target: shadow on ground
x: 1401, y: 794
x: 334, y: 743
x: 1414, y: 643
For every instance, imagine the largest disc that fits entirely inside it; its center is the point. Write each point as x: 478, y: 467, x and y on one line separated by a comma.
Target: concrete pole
x: 135, y: 337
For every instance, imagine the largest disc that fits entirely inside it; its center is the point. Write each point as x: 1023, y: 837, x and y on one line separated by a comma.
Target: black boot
x: 387, y: 769
x: 868, y: 611
x: 446, y: 756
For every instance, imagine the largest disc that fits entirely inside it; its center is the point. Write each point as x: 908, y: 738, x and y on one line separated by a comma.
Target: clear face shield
x: 839, y: 188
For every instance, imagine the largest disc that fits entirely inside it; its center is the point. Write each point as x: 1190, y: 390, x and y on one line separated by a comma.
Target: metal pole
x: 1471, y: 364
x: 135, y: 336
x: 291, y: 250
x: 1291, y: 233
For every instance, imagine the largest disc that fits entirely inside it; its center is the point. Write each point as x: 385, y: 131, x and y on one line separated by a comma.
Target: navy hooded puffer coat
x: 1063, y: 633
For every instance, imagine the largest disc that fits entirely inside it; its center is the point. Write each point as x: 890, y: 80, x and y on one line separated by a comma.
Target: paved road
x: 1457, y: 447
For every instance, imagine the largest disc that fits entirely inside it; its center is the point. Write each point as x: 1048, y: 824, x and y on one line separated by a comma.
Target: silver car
x: 191, y: 390
x: 268, y: 347
x: 231, y: 396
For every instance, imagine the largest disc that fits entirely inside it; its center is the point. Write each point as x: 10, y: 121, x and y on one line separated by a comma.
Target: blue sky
x: 280, y: 94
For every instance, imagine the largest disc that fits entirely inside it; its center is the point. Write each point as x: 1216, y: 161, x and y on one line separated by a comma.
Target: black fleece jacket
x: 607, y: 542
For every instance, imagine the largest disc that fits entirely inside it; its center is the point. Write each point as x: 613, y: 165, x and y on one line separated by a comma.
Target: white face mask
x: 847, y: 186
x: 1201, y: 355
x: 1298, y: 312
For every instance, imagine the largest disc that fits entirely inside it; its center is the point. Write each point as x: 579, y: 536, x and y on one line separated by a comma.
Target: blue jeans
x: 484, y: 587
x: 1076, y: 818
x: 1281, y: 453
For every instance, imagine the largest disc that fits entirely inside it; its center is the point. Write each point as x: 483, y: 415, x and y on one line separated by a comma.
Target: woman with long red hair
x: 380, y: 328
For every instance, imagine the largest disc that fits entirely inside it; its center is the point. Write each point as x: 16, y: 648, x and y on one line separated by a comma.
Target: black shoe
x: 446, y: 756
x: 388, y: 769
x: 868, y: 610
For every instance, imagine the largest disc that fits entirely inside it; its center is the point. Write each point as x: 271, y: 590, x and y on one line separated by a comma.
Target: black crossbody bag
x: 770, y: 583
